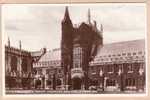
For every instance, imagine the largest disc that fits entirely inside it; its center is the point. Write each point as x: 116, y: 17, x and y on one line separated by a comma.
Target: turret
x: 20, y: 46
x: 67, y: 28
x: 101, y: 28
x: 66, y: 18
x: 8, y: 42
x: 89, y: 17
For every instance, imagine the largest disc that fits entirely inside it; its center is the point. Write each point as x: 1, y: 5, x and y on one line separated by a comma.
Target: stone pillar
x: 105, y: 79
x: 46, y: 78
x: 101, y: 79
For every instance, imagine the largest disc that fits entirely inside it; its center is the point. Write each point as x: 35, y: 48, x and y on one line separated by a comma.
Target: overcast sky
x: 39, y: 26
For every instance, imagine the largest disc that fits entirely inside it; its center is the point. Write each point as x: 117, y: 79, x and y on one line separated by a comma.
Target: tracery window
x: 110, y: 82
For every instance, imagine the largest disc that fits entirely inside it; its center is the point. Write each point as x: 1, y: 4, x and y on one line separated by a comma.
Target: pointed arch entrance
x: 77, y: 82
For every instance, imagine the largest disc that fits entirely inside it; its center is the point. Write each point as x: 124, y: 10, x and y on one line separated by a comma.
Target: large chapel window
x: 77, y: 57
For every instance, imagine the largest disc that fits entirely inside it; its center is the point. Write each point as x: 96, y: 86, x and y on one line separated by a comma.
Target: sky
x: 39, y: 26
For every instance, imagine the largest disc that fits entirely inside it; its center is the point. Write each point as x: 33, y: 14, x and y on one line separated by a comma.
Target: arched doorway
x: 77, y: 83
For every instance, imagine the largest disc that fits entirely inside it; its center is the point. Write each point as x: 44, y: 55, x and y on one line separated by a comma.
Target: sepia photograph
x: 95, y: 48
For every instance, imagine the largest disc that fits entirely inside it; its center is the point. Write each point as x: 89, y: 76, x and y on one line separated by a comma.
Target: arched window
x: 130, y: 82
x: 24, y: 65
x: 110, y: 82
x: 49, y: 82
x: 13, y: 63
x: 58, y: 82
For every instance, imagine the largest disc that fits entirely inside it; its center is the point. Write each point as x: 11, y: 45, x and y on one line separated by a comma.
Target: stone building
x: 116, y: 67
x: 79, y: 45
x: 49, y: 67
x: 84, y: 62
x: 119, y: 67
x: 19, y: 66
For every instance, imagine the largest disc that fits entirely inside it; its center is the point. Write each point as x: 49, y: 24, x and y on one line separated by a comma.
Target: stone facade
x: 117, y: 67
x: 79, y: 46
x: 19, y: 66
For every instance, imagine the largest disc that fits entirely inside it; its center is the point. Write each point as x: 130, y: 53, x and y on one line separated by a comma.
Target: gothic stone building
x: 19, y: 66
x: 119, y: 67
x: 83, y: 62
x: 79, y: 45
x: 116, y: 67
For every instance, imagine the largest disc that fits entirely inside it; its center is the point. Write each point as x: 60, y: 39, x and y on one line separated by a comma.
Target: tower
x: 66, y: 46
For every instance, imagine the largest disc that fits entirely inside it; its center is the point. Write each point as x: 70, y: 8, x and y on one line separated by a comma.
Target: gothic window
x: 39, y: 71
x: 130, y: 82
x: 110, y: 68
x: 129, y: 54
x: 140, y: 52
x: 123, y: 54
x: 24, y: 65
x: 119, y: 55
x: 77, y: 57
x: 110, y: 82
x: 14, y: 63
x: 59, y: 71
x: 47, y: 71
x: 134, y: 53
x: 58, y: 82
x: 130, y: 68
x: 49, y: 82
x: 94, y: 82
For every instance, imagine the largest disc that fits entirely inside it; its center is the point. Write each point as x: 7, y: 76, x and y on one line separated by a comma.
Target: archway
x: 77, y: 83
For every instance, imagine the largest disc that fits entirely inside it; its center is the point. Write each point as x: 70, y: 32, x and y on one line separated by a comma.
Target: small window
x: 119, y: 55
x: 134, y: 53
x: 123, y: 54
x: 110, y: 68
x: 140, y: 52
x: 110, y: 82
x: 129, y: 54
x: 130, y: 68
x: 130, y: 82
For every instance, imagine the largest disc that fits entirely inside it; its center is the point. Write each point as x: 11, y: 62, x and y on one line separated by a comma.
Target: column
x: 105, y: 79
